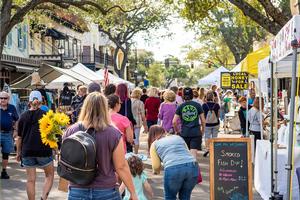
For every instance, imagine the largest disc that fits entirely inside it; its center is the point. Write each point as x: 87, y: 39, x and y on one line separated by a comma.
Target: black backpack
x: 78, y: 157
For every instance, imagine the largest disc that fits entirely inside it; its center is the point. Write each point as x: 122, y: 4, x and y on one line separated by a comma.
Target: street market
x: 145, y: 100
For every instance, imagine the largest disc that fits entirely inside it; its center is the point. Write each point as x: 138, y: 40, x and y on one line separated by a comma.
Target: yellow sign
x: 234, y: 80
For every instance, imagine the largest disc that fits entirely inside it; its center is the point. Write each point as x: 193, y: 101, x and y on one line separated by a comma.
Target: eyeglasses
x: 5, y: 98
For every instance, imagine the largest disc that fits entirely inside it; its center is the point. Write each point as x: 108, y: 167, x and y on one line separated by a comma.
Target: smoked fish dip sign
x: 230, y: 169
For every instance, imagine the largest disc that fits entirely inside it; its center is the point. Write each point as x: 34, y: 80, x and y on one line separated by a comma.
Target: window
x: 24, y: 37
x: 43, y: 49
x: 9, y: 40
x: 32, y: 41
x: 20, y: 39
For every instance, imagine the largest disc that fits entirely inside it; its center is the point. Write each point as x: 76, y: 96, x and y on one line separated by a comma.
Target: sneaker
x: 205, y: 154
x: 4, y: 175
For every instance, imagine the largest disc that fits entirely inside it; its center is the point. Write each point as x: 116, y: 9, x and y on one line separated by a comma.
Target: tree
x: 179, y: 72
x: 226, y: 26
x: 121, y: 27
x: 212, y: 50
x: 14, y: 11
x: 271, y: 15
x: 156, y: 75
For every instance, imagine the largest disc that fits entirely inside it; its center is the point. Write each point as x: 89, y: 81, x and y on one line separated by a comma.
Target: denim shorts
x: 211, y: 132
x: 40, y: 162
x: 7, y: 142
x: 93, y: 194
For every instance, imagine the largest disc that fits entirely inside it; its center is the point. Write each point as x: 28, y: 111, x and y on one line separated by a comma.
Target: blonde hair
x: 153, y: 92
x: 94, y: 112
x: 83, y: 89
x: 169, y: 96
x: 136, y: 93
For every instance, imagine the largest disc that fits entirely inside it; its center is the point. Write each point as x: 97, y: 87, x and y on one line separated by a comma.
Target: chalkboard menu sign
x: 230, y: 169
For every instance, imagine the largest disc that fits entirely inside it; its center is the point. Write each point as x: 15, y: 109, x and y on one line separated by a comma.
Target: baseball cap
x: 188, y: 93
x: 35, y: 95
x: 94, y: 87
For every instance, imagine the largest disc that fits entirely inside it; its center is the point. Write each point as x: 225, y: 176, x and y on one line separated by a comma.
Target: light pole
x: 135, y: 77
x: 61, y: 51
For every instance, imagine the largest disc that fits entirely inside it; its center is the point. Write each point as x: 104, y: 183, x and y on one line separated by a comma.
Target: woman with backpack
x: 212, y: 114
x: 109, y: 153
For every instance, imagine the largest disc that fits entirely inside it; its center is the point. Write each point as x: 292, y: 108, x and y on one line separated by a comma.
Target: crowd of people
x: 176, y: 120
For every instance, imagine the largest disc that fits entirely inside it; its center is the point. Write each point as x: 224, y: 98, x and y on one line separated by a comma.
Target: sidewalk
x: 15, y: 187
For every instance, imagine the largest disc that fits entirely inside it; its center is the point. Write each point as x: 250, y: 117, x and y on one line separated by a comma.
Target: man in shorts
x: 189, y: 114
x: 8, y: 118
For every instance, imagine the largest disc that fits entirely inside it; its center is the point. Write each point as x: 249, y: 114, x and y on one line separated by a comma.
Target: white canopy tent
x: 49, y: 73
x: 213, y: 78
x: 114, y: 79
x: 79, y: 74
x: 59, y: 82
x: 86, y: 72
x: 237, y: 68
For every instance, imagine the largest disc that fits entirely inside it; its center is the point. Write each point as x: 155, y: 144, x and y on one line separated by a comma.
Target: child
x: 139, y: 179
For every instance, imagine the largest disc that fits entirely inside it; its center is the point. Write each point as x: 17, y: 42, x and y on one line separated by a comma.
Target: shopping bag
x: 199, y: 180
x: 63, y: 184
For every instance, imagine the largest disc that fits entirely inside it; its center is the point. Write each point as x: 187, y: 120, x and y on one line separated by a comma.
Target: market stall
x: 213, y: 78
x: 283, y: 63
x: 115, y: 79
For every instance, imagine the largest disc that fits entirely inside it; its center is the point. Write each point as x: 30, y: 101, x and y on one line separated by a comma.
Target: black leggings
x: 257, y: 136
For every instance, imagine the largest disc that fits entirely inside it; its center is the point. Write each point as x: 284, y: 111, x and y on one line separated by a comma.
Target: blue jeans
x: 93, y: 194
x: 7, y: 142
x: 180, y: 179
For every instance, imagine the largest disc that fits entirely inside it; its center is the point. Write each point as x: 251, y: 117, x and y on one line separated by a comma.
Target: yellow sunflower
x: 62, y: 119
x: 50, y: 114
x: 46, y: 124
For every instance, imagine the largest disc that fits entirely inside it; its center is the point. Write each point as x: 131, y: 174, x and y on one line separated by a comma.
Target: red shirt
x: 152, y: 105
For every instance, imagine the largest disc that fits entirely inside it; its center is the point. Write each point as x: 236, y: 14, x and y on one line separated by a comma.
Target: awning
x: 250, y: 63
x: 55, y: 34
x: 49, y: 73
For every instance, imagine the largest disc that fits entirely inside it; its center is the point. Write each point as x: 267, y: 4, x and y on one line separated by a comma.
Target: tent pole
x: 261, y: 109
x: 274, y: 194
x: 247, y: 119
x: 275, y: 136
x: 272, y: 127
x: 289, y: 165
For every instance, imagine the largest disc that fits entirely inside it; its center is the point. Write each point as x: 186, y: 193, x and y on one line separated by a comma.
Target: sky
x: 164, y: 46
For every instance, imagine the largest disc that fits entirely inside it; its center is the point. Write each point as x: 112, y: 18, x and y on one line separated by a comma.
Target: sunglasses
x: 5, y: 98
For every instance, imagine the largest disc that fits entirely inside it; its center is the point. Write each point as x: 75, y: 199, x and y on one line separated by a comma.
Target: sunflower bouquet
x: 51, y: 125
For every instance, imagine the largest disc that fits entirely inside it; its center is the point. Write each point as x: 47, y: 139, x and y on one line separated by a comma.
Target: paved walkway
x: 14, y: 188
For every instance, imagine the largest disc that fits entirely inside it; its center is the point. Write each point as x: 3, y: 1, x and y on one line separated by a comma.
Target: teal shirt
x: 138, y: 182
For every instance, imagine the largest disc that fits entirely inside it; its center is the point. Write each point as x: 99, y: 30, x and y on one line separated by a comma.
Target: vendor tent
x: 59, y: 82
x: 48, y: 73
x: 250, y: 63
x: 114, y: 79
x: 237, y: 68
x: 86, y: 72
x: 213, y: 78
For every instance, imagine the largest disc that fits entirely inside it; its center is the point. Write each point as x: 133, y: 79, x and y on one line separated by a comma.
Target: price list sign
x: 230, y: 169
x: 234, y: 80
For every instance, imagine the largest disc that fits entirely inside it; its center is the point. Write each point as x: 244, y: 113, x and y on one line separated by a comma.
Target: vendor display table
x: 262, y: 170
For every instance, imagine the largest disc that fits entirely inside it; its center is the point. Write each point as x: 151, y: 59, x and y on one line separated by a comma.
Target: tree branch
x: 256, y: 16
x: 274, y: 12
